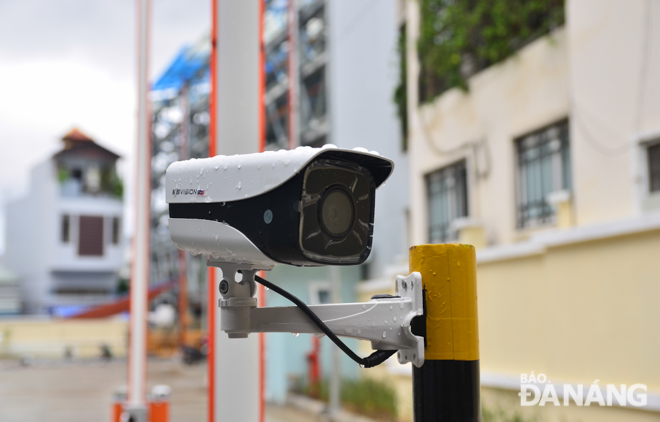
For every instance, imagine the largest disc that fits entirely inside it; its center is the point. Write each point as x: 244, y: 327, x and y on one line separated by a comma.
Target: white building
x: 64, y: 237
x: 549, y: 163
x: 563, y: 133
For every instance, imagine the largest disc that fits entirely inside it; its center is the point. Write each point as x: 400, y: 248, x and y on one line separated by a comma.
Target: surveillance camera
x: 303, y: 207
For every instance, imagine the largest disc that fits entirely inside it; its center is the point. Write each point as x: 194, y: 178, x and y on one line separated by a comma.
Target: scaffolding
x: 180, y: 130
x: 296, y: 98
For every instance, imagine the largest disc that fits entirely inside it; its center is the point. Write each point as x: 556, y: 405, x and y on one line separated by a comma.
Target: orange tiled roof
x: 75, y: 142
x: 76, y: 135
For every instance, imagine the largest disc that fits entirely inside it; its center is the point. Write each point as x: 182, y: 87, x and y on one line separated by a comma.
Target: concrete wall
x: 577, y: 307
x: 615, y: 92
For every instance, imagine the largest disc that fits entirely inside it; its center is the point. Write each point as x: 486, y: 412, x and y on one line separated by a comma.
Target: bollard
x: 118, y: 402
x: 159, y: 403
x: 447, y: 386
x: 157, y: 410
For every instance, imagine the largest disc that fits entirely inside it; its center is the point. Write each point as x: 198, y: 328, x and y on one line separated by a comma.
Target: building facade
x: 64, y: 239
x: 548, y: 163
x: 336, y: 88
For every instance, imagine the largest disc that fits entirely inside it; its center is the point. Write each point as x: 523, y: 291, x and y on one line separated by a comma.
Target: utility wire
x: 595, y: 143
x: 646, y: 51
x: 376, y: 358
x: 474, y: 146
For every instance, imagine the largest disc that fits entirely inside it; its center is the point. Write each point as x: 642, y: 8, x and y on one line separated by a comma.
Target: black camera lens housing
x: 336, y: 211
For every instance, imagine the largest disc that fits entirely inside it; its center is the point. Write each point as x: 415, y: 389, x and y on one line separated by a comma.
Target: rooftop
x: 76, y: 135
x: 76, y: 140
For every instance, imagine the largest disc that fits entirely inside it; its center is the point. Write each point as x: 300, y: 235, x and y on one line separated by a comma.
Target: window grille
x: 447, y: 201
x: 543, y: 168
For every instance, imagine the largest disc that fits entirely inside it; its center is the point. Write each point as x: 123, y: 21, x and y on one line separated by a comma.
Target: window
x: 654, y: 168
x: 76, y: 174
x: 447, y: 199
x: 324, y: 296
x: 90, y: 236
x: 319, y: 293
x: 115, y: 230
x: 66, y: 228
x: 543, y: 168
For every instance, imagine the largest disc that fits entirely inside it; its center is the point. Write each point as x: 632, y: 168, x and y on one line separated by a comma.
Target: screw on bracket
x: 224, y: 287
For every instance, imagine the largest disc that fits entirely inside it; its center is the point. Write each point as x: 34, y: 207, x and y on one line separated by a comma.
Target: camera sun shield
x: 305, y: 207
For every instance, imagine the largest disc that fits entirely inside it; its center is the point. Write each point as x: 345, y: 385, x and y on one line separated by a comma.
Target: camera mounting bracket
x: 384, y: 321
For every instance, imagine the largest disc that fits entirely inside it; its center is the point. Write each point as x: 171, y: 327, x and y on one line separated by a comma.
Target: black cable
x: 376, y: 358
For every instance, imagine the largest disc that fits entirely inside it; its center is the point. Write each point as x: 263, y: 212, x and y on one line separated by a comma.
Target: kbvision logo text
x: 198, y: 192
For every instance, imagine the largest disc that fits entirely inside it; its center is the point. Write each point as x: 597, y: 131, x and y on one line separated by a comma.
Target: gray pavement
x: 81, y: 391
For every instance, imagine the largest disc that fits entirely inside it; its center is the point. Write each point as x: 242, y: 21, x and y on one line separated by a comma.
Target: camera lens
x: 337, y: 213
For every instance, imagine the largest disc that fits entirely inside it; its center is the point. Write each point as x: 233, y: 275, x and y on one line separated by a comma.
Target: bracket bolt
x: 224, y: 287
x: 404, y: 284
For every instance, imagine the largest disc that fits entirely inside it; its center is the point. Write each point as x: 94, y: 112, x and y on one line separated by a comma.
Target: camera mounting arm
x: 384, y: 321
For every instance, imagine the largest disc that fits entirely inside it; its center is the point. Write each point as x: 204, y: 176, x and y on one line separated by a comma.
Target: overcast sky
x: 72, y: 63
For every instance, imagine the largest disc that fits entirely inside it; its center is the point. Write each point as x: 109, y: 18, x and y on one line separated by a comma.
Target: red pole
x: 211, y: 300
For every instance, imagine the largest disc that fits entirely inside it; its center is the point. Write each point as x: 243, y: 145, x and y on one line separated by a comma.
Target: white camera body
x: 304, y: 207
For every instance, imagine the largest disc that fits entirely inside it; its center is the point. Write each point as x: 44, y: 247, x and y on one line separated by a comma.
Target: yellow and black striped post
x: 447, y: 386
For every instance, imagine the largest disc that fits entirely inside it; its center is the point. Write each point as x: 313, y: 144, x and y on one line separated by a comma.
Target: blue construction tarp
x: 186, y: 66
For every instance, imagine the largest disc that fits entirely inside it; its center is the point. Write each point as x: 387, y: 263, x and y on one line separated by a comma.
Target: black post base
x: 447, y: 391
